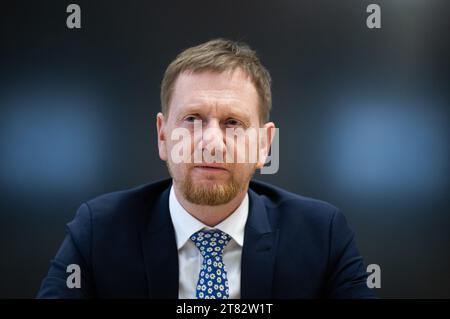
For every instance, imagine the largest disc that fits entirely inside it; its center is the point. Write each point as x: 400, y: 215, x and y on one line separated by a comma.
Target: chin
x: 208, y: 181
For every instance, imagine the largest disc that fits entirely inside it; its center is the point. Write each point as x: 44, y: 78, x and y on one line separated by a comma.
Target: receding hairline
x: 228, y: 72
x: 220, y: 55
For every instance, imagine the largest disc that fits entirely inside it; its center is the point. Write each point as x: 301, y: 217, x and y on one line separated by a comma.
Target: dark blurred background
x: 363, y: 117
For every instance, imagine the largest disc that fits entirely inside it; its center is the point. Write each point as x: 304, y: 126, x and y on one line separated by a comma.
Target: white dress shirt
x: 190, y: 258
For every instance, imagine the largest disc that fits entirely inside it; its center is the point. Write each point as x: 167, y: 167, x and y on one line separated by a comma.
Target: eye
x: 191, y: 118
x: 233, y: 122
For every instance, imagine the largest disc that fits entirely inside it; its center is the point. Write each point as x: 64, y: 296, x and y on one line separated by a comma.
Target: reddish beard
x: 207, y: 194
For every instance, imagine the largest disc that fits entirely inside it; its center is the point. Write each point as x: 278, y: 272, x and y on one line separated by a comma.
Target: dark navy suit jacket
x: 124, y: 243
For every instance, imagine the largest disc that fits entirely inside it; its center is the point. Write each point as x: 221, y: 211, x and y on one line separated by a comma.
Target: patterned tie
x: 212, y: 280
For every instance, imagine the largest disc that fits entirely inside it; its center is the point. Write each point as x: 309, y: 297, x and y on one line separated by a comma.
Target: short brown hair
x: 220, y: 55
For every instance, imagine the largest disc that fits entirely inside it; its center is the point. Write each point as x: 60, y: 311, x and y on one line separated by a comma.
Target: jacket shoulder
x: 291, y: 204
x: 126, y: 203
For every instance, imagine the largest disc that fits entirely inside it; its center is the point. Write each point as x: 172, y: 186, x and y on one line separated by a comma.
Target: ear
x: 267, y: 132
x: 162, y: 145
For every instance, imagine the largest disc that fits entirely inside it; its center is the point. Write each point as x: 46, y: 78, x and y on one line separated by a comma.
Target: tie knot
x: 210, y: 242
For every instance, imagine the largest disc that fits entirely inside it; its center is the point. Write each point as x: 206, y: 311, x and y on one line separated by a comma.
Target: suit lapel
x: 259, y: 251
x: 161, y: 255
x: 160, y: 250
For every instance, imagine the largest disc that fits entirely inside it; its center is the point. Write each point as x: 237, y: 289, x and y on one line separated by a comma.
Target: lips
x: 211, y: 167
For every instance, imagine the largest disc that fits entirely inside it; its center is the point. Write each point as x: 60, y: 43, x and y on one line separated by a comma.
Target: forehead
x: 213, y: 91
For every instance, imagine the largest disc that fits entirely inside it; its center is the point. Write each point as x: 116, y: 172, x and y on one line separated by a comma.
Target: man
x: 209, y: 232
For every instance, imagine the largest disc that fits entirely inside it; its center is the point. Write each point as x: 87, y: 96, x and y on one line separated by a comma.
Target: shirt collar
x: 185, y: 224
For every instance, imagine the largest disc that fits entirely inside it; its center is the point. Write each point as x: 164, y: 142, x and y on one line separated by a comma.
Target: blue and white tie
x: 212, y: 280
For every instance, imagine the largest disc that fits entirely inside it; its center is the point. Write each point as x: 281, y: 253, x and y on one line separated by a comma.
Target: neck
x: 211, y: 215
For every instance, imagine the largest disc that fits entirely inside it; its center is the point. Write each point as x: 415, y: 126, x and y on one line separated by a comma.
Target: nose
x: 213, y: 138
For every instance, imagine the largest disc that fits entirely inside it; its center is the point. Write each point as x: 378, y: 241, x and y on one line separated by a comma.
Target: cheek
x: 180, y: 149
x: 179, y: 171
x: 244, y: 150
x: 242, y: 171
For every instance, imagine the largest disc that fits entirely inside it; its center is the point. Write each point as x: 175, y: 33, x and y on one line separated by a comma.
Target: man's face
x: 213, y: 102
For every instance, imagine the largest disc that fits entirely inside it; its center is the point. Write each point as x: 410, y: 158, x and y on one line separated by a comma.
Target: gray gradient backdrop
x: 363, y: 117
